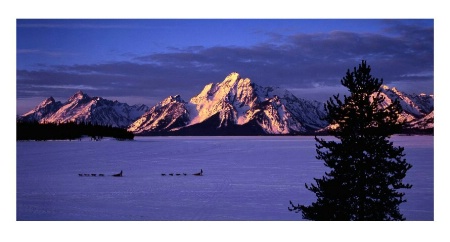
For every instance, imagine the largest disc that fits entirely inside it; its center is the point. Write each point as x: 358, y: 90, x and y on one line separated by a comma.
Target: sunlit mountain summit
x: 235, y: 106
x: 238, y: 106
x: 232, y: 107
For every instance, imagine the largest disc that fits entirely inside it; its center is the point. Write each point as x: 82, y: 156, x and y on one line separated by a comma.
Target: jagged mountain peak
x: 225, y: 90
x: 232, y: 77
x: 231, y: 98
x: 49, y: 100
x: 232, y: 106
x: 417, y: 109
x: 45, y: 103
x: 235, y: 80
x: 394, y: 90
x: 236, y: 101
x: 78, y: 96
x: 82, y: 108
x: 41, y: 111
x: 171, y: 99
x: 414, y: 106
x: 169, y: 114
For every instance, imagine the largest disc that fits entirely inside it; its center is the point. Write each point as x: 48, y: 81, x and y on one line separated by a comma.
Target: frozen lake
x: 245, y: 178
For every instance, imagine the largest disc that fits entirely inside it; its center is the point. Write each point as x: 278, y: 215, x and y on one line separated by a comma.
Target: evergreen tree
x: 365, y: 169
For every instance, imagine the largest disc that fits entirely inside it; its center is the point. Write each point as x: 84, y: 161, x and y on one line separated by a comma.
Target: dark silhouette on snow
x: 118, y: 174
x: 199, y: 174
x: 93, y: 174
x: 184, y: 174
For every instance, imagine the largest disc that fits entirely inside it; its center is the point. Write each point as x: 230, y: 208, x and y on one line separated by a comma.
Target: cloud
x: 73, y: 87
x: 320, y: 56
x: 43, y: 52
x: 81, y: 24
x: 400, y: 54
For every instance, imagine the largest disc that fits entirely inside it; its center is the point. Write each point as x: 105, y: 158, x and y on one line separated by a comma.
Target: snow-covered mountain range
x: 82, y: 108
x: 414, y: 106
x: 235, y: 106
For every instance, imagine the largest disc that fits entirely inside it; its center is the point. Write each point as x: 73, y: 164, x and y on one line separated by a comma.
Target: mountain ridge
x: 237, y: 101
x: 232, y: 107
x: 82, y: 108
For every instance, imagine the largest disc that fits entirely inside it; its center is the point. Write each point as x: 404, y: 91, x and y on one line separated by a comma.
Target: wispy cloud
x: 402, y: 54
x: 84, y: 24
x: 77, y: 26
x: 73, y: 87
x: 43, y: 52
x: 305, y: 57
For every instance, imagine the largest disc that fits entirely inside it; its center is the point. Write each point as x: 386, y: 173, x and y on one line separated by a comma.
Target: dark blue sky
x: 146, y: 60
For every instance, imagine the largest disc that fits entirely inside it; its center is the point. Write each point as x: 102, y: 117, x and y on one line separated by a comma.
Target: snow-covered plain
x: 245, y: 178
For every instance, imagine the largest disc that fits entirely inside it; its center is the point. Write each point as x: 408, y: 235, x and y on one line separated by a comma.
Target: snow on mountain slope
x: 414, y: 106
x: 309, y: 113
x: 235, y: 105
x: 169, y: 114
x: 236, y: 101
x: 417, y: 109
x: 231, y: 98
x: 82, y: 108
x: 426, y: 122
x: 44, y: 109
x: 239, y: 101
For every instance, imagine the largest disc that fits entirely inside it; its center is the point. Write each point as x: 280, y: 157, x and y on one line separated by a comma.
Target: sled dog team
x: 163, y: 174
x: 101, y: 174
x: 184, y: 174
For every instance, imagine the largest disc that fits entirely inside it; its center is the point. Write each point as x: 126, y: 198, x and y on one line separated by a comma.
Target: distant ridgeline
x: 69, y: 131
x: 236, y: 106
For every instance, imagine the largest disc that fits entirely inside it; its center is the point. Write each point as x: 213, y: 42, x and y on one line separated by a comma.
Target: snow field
x: 245, y: 178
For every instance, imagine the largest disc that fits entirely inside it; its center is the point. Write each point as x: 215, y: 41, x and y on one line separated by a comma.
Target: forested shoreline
x: 75, y: 131
x: 69, y: 131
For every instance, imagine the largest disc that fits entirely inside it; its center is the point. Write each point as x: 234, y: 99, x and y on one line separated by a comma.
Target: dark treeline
x: 69, y: 131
